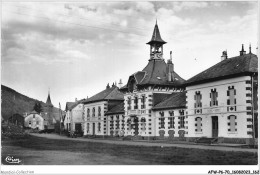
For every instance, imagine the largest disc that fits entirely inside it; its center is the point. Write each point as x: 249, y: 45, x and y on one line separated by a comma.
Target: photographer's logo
x: 11, y: 159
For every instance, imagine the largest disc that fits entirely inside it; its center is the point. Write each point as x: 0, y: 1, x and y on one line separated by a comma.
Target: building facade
x: 34, y: 121
x: 95, y: 107
x: 146, y: 88
x: 220, y: 100
x: 74, y: 118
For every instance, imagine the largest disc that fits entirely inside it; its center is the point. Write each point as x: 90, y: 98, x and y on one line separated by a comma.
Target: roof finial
x: 250, y: 48
x: 156, y: 22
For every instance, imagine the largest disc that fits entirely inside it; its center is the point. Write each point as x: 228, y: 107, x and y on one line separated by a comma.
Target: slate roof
x: 159, y: 97
x: 156, y: 74
x: 156, y: 37
x: 112, y: 93
x: 71, y: 105
x: 175, y: 100
x: 118, y: 109
x: 34, y: 112
x: 231, y: 67
x: 48, y: 101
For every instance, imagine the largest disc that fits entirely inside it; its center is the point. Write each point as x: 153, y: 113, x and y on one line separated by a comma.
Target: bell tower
x: 156, y: 44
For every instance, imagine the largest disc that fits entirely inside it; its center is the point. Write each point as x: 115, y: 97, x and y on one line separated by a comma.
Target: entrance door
x: 214, y: 126
x: 136, y: 126
x: 93, y: 133
x: 78, y: 127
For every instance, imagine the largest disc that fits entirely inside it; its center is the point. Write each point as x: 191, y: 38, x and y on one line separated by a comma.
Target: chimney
x: 76, y: 99
x: 250, y: 49
x: 120, y: 84
x: 107, y: 86
x: 170, y: 69
x: 242, y: 52
x: 224, y: 55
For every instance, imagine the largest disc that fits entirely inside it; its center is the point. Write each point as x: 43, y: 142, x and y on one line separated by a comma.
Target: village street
x: 226, y: 147
x: 53, y: 149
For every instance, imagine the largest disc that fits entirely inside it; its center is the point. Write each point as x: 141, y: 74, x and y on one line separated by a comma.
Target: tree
x: 38, y: 107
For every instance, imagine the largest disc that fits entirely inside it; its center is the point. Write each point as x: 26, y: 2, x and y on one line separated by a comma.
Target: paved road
x: 119, y: 142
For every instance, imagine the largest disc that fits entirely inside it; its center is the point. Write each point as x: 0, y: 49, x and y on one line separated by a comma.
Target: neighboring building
x: 16, y: 119
x: 74, y: 119
x: 147, y: 88
x: 115, y: 120
x: 170, y: 119
x: 48, y: 114
x: 95, y: 107
x: 34, y: 121
x: 222, y: 100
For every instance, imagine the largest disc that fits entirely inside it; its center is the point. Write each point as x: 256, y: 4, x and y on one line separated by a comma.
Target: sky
x: 75, y: 49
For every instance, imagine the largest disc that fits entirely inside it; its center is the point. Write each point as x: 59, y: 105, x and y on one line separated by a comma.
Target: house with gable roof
x: 95, y: 107
x: 222, y: 101
x: 74, y: 118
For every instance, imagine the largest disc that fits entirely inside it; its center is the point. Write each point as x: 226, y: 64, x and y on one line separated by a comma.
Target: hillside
x: 14, y: 102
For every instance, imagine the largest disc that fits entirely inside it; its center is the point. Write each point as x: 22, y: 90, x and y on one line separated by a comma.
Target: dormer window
x: 132, y: 85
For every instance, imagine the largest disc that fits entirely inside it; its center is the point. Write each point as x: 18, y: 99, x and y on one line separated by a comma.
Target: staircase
x: 206, y: 140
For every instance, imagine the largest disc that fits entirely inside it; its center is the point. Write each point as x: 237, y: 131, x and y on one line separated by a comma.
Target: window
x: 99, y: 111
x: 197, y: 104
x: 112, y: 123
x: 231, y: 101
x: 143, y: 124
x: 37, y: 122
x: 87, y: 127
x: 129, y: 124
x: 93, y: 112
x: 117, y: 122
x: 171, y: 113
x: 232, y: 123
x: 213, y: 96
x: 123, y: 124
x: 30, y: 122
x: 197, y: 98
x: 88, y: 112
x: 161, y: 120
x: 33, y: 115
x: 171, y: 122
x: 136, y: 103
x: 198, y: 124
x: 143, y: 101
x: 99, y: 127
x: 181, y: 122
x: 129, y: 103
